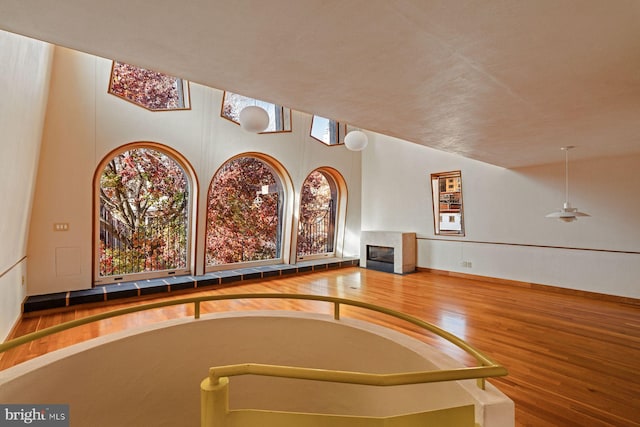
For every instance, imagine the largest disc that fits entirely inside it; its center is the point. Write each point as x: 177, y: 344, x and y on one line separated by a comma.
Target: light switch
x: 61, y: 226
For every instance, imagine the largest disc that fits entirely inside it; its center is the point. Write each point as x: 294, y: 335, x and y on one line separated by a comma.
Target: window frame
x: 340, y: 214
x: 335, y: 198
x: 441, y: 216
x: 192, y: 186
x: 340, y: 131
x: 285, y: 114
x: 286, y: 213
x: 184, y: 88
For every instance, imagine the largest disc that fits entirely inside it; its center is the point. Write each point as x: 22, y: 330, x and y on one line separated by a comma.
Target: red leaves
x: 144, y: 201
x: 242, y: 223
x: 149, y: 89
x: 316, y: 227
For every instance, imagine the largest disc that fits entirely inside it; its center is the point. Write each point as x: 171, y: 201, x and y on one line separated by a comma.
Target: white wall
x: 504, y: 206
x: 24, y: 79
x: 84, y: 123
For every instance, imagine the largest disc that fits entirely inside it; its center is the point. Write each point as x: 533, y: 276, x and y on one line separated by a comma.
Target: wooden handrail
x: 488, y: 368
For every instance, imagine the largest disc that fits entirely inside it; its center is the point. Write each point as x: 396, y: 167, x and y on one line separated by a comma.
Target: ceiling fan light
x: 567, y: 213
x: 253, y: 119
x: 568, y: 218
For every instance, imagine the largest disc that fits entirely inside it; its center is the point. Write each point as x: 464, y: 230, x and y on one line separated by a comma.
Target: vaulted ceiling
x: 504, y: 82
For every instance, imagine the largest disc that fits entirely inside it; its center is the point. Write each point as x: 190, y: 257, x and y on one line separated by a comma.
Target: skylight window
x: 148, y: 89
x: 328, y: 131
x: 279, y: 116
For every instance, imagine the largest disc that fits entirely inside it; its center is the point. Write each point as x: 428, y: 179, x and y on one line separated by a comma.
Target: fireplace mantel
x: 403, y: 244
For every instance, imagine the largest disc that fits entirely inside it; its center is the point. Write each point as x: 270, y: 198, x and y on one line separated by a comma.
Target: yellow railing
x: 360, y: 378
x: 214, y: 388
x: 214, y: 404
x: 488, y: 368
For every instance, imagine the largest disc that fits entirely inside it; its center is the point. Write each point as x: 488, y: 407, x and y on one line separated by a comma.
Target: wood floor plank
x: 572, y: 360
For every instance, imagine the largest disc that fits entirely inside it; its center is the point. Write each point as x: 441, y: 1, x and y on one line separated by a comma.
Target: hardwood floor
x: 572, y: 361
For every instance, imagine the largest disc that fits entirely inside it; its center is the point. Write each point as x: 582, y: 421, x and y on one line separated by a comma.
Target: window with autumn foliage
x: 143, y: 215
x: 317, y: 224
x: 244, y: 213
x: 279, y: 116
x: 149, y: 89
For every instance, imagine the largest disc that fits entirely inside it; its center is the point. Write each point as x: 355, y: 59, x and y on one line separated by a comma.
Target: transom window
x: 279, y: 116
x: 244, y: 213
x: 447, y: 203
x: 143, y: 215
x: 149, y: 89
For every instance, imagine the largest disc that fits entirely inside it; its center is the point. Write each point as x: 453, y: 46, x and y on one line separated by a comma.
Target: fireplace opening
x: 380, y: 258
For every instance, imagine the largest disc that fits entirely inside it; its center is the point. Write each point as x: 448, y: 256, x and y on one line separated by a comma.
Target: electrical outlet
x: 61, y: 226
x: 466, y: 264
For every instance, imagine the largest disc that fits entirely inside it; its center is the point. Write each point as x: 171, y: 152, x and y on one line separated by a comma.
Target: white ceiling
x: 504, y: 82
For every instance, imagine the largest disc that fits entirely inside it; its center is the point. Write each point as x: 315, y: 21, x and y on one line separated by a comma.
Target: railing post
x: 196, y: 309
x: 336, y: 310
x: 214, y: 402
x: 481, y: 383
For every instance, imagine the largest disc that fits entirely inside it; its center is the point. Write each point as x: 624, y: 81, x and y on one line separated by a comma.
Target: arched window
x: 317, y: 229
x: 244, y: 213
x: 279, y: 116
x: 143, y: 215
x: 148, y: 89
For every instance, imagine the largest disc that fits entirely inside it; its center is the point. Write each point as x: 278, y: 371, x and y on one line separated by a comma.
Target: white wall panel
x: 85, y: 123
x: 24, y: 80
x: 507, y: 234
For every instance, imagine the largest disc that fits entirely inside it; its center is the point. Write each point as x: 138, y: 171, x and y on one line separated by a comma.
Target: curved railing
x: 487, y: 367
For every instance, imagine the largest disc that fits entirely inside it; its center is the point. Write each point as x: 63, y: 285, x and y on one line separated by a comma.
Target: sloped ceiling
x: 504, y: 82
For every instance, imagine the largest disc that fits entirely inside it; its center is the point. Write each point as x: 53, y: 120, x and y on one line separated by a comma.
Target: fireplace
x: 390, y: 251
x: 380, y: 258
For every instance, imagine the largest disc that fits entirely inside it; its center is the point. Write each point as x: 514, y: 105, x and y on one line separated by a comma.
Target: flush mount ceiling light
x: 356, y: 140
x: 253, y: 119
x: 567, y: 213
